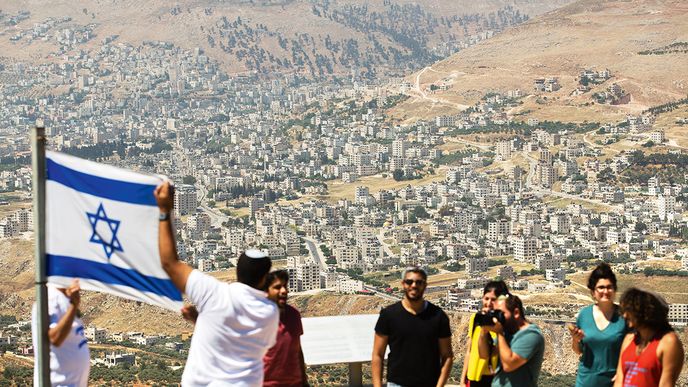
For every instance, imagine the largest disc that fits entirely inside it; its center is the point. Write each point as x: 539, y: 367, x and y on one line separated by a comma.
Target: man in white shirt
x: 69, y: 354
x: 236, y: 323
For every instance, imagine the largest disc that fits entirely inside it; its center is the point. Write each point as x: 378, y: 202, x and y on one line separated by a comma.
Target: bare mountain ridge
x: 318, y: 38
x: 614, y: 35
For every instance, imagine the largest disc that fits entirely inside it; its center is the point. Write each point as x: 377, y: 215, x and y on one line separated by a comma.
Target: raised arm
x: 60, y: 331
x: 672, y: 359
x: 177, y: 270
x: 510, y: 360
x: 379, y: 348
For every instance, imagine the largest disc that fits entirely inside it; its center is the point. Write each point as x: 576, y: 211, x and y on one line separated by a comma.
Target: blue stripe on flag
x: 64, y: 266
x: 121, y: 191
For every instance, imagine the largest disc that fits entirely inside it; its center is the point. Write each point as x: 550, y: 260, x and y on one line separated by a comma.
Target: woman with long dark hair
x: 651, y: 356
x: 599, y: 332
x: 479, y: 371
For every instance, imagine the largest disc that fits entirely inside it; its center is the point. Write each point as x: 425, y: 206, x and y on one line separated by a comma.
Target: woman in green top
x: 599, y: 331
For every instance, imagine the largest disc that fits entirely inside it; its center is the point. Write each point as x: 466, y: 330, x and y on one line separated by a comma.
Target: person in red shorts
x: 283, y: 363
x: 652, y: 356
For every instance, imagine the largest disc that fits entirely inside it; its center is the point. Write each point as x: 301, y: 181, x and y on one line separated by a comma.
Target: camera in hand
x: 485, y: 318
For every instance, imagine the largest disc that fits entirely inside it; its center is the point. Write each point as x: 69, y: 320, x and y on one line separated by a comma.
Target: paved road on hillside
x: 315, y: 253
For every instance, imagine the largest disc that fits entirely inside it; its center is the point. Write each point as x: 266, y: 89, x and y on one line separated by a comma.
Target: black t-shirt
x: 414, y: 353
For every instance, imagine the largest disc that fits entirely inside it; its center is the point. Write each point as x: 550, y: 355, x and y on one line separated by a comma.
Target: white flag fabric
x: 102, y: 227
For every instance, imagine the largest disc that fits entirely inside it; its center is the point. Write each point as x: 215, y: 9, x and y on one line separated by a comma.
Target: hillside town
x: 268, y: 165
x: 343, y: 194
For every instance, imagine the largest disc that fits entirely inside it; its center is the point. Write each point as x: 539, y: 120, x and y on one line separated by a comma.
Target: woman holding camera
x: 479, y: 371
x: 652, y: 355
x: 599, y: 331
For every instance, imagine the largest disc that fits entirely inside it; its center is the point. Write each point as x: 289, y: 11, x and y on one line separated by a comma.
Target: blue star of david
x: 113, y: 225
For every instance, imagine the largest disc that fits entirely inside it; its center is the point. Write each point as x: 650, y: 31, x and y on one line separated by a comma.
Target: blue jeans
x: 392, y: 384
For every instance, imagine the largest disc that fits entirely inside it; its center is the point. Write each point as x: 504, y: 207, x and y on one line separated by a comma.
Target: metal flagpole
x: 38, y: 184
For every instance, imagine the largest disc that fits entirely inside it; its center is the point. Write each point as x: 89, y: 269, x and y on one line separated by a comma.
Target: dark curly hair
x: 498, y: 287
x: 602, y: 271
x: 648, y: 309
x: 281, y: 275
x: 512, y: 302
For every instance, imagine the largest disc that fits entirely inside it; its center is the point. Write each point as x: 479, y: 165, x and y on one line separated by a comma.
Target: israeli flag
x: 102, y: 227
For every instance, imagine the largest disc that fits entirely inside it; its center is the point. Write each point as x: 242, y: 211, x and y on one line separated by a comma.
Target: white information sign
x: 338, y: 339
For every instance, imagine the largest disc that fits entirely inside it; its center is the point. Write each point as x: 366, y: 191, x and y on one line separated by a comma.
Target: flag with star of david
x: 102, y: 227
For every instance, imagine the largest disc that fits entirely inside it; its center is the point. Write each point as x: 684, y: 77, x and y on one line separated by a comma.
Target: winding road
x: 423, y: 95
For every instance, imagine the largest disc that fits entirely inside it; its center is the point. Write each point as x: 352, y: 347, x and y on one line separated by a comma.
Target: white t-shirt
x: 70, y: 362
x: 236, y: 326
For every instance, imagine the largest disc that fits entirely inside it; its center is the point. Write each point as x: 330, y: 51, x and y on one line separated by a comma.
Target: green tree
x: 420, y: 212
x: 398, y: 175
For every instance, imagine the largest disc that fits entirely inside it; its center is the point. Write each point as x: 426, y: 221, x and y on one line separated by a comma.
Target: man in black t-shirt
x: 418, y: 336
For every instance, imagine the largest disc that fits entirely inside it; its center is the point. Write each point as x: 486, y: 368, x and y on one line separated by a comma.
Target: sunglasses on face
x: 410, y: 282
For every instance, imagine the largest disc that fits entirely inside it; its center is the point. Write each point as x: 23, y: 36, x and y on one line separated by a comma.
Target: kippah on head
x: 255, y: 254
x: 252, y: 267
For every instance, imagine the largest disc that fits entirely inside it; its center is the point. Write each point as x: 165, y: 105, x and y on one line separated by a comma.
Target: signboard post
x: 340, y: 339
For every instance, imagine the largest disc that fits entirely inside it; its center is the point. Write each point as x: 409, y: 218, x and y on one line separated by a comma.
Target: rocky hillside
x: 641, y: 42
x: 311, y: 38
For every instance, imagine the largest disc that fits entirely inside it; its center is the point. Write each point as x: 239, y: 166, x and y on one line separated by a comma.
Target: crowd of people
x: 246, y: 334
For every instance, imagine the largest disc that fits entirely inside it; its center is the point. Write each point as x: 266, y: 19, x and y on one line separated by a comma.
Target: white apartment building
x: 205, y: 265
x: 113, y: 359
x: 346, y: 255
x: 200, y: 221
x: 546, y: 174
x: 498, y: 230
x: 443, y: 121
x: 547, y: 262
x: 361, y: 193
x: 666, y: 206
x: 147, y: 340
x: 560, y: 224
x: 678, y: 314
x: 503, y: 150
x: 120, y: 337
x: 657, y: 136
x: 471, y: 283
x: 399, y: 147
x: 555, y: 275
x: 308, y: 276
x: 470, y: 304
x: 476, y: 265
x: 293, y: 284
x: 347, y: 285
x: 24, y: 220
x: 185, y: 200
x: 96, y: 335
x: 256, y: 204
x: 455, y: 295
x: 525, y: 249
x: 8, y: 228
x: 234, y: 238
